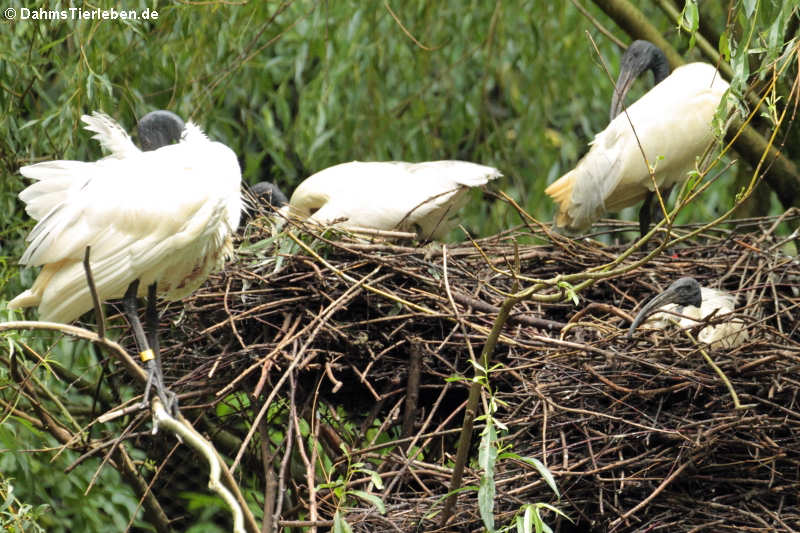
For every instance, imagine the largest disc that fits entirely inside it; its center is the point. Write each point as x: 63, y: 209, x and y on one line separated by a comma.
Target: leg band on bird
x: 169, y: 398
x: 148, y: 345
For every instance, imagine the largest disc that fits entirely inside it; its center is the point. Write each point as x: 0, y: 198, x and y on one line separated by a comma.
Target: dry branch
x: 636, y: 432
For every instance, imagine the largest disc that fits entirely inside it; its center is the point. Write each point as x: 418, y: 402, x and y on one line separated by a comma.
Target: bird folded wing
x: 142, y: 217
x: 149, y: 196
x: 450, y: 173
x: 391, y: 195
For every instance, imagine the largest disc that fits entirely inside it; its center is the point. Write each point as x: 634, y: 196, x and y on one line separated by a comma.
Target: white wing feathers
x: 110, y: 135
x: 56, y: 177
x: 671, y: 127
x: 163, y: 216
x: 193, y: 133
x: 395, y: 195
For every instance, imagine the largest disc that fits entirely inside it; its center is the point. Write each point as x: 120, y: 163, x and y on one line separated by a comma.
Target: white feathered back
x: 162, y: 216
x: 672, y: 124
x: 393, y: 195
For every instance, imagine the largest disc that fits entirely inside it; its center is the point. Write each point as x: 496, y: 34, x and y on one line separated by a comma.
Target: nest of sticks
x: 352, y: 344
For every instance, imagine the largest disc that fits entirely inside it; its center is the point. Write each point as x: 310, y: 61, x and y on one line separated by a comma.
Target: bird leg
x: 145, y: 353
x: 143, y: 343
x: 169, y: 398
x: 645, y: 214
x: 651, y: 210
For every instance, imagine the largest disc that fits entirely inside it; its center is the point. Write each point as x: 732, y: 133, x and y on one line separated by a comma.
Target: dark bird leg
x: 651, y: 210
x: 143, y: 342
x: 645, y: 214
x: 169, y: 398
x: 145, y: 352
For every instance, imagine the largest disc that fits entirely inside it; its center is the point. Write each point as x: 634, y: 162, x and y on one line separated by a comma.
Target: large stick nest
x: 641, y: 434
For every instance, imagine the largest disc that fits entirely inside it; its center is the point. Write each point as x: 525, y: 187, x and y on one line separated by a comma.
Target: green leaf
x: 749, y: 7
x: 570, y: 290
x: 9, y: 497
x: 524, y: 521
x: 553, y: 509
x: 370, y: 498
x: 539, y: 466
x: 692, y: 16
x: 724, y: 46
x: 690, y: 20
x: 741, y: 69
x: 487, y: 456
x: 340, y: 525
x: 376, y: 478
x: 775, y: 36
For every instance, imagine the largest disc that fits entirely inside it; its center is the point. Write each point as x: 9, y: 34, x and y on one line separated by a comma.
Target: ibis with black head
x: 264, y: 197
x: 665, y: 130
x: 266, y: 192
x: 689, y: 304
x: 157, y: 221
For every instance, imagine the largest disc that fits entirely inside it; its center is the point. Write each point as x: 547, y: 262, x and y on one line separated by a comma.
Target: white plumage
x: 392, y: 196
x: 673, y: 125
x: 728, y: 333
x: 162, y: 216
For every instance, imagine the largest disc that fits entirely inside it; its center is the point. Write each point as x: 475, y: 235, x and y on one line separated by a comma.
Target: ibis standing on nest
x: 666, y: 130
x: 423, y: 198
x: 689, y: 304
x: 158, y: 222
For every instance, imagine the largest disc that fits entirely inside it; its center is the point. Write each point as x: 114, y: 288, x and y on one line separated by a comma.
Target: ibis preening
x: 423, y: 198
x: 158, y: 222
x: 689, y: 304
x: 158, y: 128
x: 671, y: 125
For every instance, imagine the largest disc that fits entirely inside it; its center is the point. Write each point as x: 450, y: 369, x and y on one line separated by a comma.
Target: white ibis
x: 672, y: 124
x: 689, y: 305
x: 391, y: 196
x: 162, y: 217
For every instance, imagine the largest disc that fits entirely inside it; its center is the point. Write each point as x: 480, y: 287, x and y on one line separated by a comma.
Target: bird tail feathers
x: 25, y: 299
x: 561, y: 193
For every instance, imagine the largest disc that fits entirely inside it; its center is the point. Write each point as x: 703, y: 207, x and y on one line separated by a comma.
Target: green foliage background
x: 293, y: 87
x: 298, y: 86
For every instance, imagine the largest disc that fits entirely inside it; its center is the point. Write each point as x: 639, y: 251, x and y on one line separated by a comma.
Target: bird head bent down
x: 159, y: 128
x: 684, y: 292
x: 640, y: 56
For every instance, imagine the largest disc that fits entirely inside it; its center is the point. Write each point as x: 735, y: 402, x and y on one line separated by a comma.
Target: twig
x: 663, y: 485
x: 163, y: 419
x: 412, y: 388
x: 98, y: 307
x: 118, y: 351
x: 719, y: 372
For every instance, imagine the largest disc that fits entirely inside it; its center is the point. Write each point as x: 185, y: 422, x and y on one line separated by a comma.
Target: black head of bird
x: 683, y: 292
x: 268, y: 192
x: 639, y: 57
x: 159, y: 128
